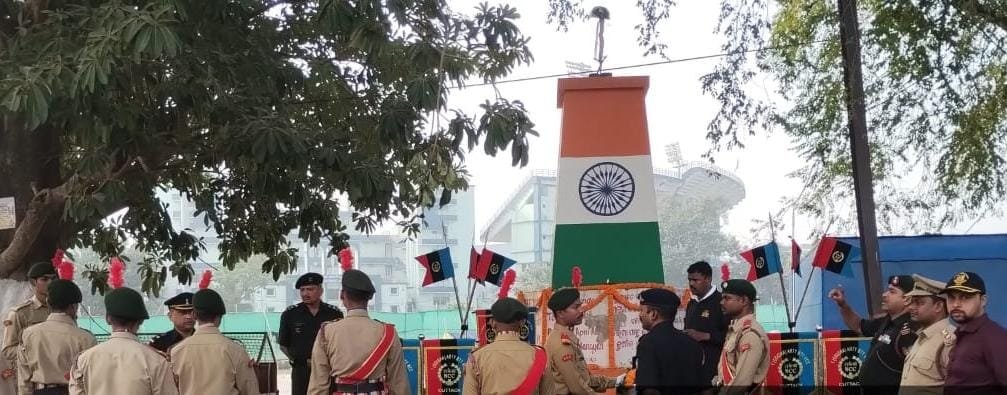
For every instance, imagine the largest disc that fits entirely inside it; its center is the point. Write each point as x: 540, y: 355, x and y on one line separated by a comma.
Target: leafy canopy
x: 262, y: 113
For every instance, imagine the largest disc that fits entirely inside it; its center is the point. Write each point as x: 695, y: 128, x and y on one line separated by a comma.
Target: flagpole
x: 454, y: 283
x: 783, y: 285
x: 807, y: 285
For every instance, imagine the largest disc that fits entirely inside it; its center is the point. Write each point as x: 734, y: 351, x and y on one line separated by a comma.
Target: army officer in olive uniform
x: 122, y: 365
x: 208, y: 362
x: 744, y: 361
x: 299, y: 326
x: 927, y: 363
x: 566, y: 360
x: 49, y: 349
x: 357, y: 354
x: 28, y: 313
x: 182, y: 318
x: 508, y: 365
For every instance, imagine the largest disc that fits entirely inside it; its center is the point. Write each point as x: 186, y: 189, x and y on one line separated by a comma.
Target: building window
x: 270, y: 291
x: 394, y: 290
x: 395, y: 309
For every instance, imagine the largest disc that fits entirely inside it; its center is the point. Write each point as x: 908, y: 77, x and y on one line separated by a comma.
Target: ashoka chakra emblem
x: 607, y: 189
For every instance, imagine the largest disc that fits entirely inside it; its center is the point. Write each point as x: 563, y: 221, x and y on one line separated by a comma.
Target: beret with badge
x: 125, y: 303
x: 308, y: 279
x: 563, y: 298
x: 659, y: 297
x: 358, y: 281
x: 738, y: 287
x: 508, y: 311
x: 40, y: 269
x: 902, y: 281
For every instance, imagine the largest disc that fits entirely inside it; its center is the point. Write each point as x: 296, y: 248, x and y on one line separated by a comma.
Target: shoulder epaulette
x: 22, y: 305
x: 291, y: 307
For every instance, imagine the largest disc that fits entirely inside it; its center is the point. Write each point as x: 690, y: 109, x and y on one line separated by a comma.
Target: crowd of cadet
x: 935, y: 337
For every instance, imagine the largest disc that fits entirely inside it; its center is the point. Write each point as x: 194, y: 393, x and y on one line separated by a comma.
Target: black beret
x: 40, y: 269
x: 209, y: 301
x: 563, y: 298
x: 903, y: 282
x: 182, y: 301
x: 659, y: 297
x: 509, y: 311
x: 357, y: 281
x: 967, y: 282
x: 125, y: 303
x: 739, y: 287
x: 64, y: 293
x: 308, y: 279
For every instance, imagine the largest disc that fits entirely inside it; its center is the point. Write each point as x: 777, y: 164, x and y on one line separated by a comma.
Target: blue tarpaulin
x: 934, y: 256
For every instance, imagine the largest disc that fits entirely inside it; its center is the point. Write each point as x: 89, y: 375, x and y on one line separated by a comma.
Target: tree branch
x: 42, y: 206
x: 981, y: 11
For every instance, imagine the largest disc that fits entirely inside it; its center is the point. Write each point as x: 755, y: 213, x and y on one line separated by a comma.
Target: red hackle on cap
x: 116, y: 268
x: 576, y: 277
x: 346, y: 259
x: 57, y: 258
x: 725, y: 272
x: 204, y: 282
x: 508, y: 281
x: 66, y: 270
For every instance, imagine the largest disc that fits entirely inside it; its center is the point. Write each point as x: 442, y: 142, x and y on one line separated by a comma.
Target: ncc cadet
x: 49, y: 349
x: 122, y: 365
x: 299, y: 326
x: 979, y: 358
x: 704, y: 320
x: 208, y: 362
x: 744, y: 361
x: 893, y: 334
x: 566, y: 360
x: 357, y: 355
x: 926, y: 364
x: 181, y: 316
x: 668, y: 360
x: 28, y: 313
x: 508, y: 365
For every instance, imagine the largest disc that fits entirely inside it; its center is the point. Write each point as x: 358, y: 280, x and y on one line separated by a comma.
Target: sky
x: 677, y: 110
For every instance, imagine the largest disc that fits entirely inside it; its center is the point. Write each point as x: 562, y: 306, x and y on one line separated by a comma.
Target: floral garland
x: 609, y: 293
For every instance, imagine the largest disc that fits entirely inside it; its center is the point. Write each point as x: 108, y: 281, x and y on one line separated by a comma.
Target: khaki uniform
x: 927, y: 362
x: 343, y: 345
x: 210, y: 363
x: 122, y: 365
x: 48, y: 350
x: 745, y: 355
x: 28, y: 313
x: 568, y: 367
x: 501, y: 366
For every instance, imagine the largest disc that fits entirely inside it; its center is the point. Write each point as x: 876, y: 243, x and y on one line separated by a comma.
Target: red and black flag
x: 474, y: 266
x: 833, y: 255
x: 443, y: 360
x: 438, y: 265
x: 492, y: 266
x: 763, y: 261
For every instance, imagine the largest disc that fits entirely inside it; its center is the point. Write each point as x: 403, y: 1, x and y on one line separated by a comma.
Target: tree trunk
x: 29, y: 165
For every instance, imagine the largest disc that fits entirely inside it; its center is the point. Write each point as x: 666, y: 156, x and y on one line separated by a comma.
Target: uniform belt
x: 47, y: 386
x: 362, y: 387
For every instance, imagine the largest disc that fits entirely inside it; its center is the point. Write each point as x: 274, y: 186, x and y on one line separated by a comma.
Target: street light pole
x: 849, y: 32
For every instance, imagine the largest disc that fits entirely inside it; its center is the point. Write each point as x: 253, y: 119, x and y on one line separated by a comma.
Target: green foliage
x: 934, y: 81
x: 691, y: 231
x: 263, y: 113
